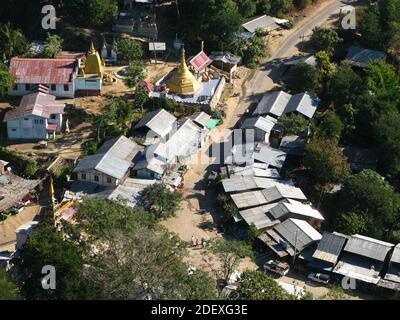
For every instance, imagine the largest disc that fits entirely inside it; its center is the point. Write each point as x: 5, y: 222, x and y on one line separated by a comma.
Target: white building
x: 37, y: 117
x: 110, y: 166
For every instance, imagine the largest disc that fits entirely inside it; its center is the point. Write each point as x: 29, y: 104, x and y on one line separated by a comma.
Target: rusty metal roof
x: 42, y: 71
x: 38, y: 104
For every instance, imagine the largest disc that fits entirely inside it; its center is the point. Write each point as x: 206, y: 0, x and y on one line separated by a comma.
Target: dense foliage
x: 257, y: 285
x: 160, y: 202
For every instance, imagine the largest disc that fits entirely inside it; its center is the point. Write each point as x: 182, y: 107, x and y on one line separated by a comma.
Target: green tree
x: 53, y: 45
x: 160, y: 202
x: 325, y: 161
x: 279, y: 7
x: 348, y: 83
x: 369, y: 195
x: 264, y: 6
x: 325, y: 39
x: 324, y: 65
x: 12, y: 41
x: 304, y: 77
x: 31, y: 169
x: 140, y: 98
x: 92, y: 13
x: 100, y: 218
x: 371, y: 28
x: 351, y: 223
x: 254, y: 51
x: 8, y: 289
x: 127, y: 252
x: 220, y: 20
x: 198, y: 285
x: 46, y: 246
x: 257, y: 285
x: 331, y: 127
x: 387, y: 140
x: 253, y: 232
x: 247, y: 8
x: 383, y: 82
x: 294, y: 124
x: 135, y: 72
x: 6, y: 80
x: 129, y: 50
x: 228, y: 254
x: 389, y: 12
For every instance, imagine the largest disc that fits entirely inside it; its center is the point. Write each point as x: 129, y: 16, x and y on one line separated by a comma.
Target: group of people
x: 196, y: 242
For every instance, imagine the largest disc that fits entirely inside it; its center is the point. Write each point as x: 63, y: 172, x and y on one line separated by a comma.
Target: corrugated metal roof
x: 239, y: 183
x: 361, y: 57
x: 182, y: 143
x: 266, y: 154
x: 368, y: 247
x: 273, y: 103
x: 281, y: 191
x: 38, y: 104
x: 297, y: 233
x: 263, y: 123
x: 358, y: 267
x: 295, y: 207
x: 248, y: 199
x: 330, y: 247
x: 293, y: 144
x: 264, y: 22
x: 302, y: 103
x: 257, y: 198
x: 201, y: 118
x: 200, y: 61
x: 396, y: 255
x: 225, y: 57
x: 309, y: 59
x: 114, y: 158
x: 258, y: 216
x: 44, y: 71
x: 160, y: 121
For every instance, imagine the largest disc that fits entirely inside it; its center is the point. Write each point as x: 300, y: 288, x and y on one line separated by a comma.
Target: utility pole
x: 295, y: 247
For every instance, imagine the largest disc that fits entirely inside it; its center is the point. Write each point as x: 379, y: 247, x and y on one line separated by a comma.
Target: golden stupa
x: 93, y: 62
x: 183, y: 81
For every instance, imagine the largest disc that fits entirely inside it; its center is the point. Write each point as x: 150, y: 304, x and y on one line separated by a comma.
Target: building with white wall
x: 38, y: 116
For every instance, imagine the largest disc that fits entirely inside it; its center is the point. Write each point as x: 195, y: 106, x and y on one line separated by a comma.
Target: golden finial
x: 92, y: 50
x: 202, y: 46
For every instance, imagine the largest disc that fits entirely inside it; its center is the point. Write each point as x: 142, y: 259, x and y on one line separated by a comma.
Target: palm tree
x: 13, y: 40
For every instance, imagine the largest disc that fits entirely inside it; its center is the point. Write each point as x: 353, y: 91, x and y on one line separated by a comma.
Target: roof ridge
x: 106, y: 153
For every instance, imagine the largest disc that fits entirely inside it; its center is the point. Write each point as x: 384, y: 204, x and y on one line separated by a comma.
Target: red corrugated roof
x: 38, y: 103
x: 200, y: 61
x: 47, y: 71
x: 51, y: 126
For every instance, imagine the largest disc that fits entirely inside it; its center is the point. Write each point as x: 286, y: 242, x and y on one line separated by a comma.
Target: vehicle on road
x: 319, y: 277
x: 277, y: 267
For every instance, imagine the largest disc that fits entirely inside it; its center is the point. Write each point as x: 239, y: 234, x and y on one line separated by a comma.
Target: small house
x: 110, y: 166
x: 38, y: 116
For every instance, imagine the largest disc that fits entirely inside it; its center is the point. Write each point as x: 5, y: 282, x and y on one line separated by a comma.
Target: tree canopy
x: 129, y: 50
x: 369, y: 196
x: 6, y: 80
x: 325, y: 39
x: 325, y: 161
x: 160, y: 202
x: 257, y: 285
x: 8, y: 289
